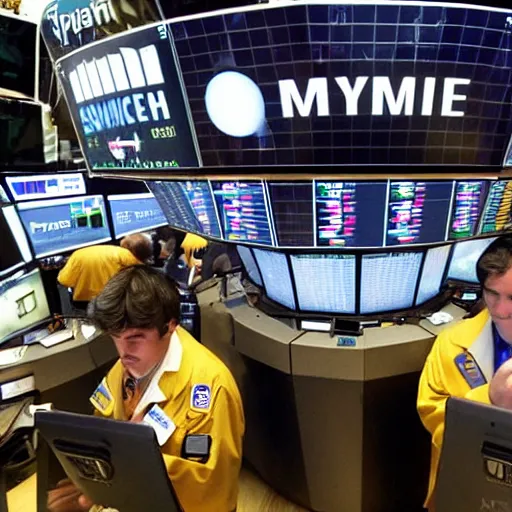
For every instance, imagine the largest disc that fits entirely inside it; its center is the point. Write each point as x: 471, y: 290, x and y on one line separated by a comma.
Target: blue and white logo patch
x: 201, y: 397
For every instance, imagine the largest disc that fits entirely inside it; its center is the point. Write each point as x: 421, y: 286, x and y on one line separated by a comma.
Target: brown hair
x: 137, y: 296
x: 496, y: 259
x: 139, y: 245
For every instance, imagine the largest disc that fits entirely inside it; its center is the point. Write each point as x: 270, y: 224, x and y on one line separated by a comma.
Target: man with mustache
x: 163, y: 370
x: 472, y: 359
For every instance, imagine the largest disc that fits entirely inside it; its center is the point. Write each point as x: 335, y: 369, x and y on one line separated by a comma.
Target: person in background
x: 164, y: 245
x: 163, y: 370
x: 472, y: 359
x: 219, y: 258
x: 194, y: 247
x: 89, y: 269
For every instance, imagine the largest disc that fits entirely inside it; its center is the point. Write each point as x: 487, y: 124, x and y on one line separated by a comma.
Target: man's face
x: 141, y: 349
x: 498, y: 298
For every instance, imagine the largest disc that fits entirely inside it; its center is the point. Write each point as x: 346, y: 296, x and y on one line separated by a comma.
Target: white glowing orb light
x: 235, y: 104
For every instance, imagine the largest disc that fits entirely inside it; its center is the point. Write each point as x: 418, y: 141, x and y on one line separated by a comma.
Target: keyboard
x: 12, y: 355
x: 56, y: 338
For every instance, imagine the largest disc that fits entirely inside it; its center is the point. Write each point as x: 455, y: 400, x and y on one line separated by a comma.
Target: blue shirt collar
x: 502, y: 350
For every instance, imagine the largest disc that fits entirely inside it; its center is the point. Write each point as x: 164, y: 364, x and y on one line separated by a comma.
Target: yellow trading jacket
x: 199, y: 395
x: 460, y: 364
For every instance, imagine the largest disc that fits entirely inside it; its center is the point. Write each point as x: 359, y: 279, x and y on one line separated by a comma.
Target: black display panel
x: 498, y: 208
x: 133, y: 213
x: 243, y: 211
x: 467, y: 205
x: 188, y: 205
x: 60, y: 225
x: 18, y: 54
x: 350, y: 214
x: 127, y: 103
x: 418, y: 211
x: 23, y: 304
x: 292, y: 208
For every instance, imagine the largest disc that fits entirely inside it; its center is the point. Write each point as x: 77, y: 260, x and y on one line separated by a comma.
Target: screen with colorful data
x: 133, y: 213
x: 388, y: 281
x: 464, y: 258
x: 243, y: 211
x: 325, y: 282
x: 292, y: 208
x: 59, y: 225
x: 432, y: 273
x: 25, y: 188
x: 497, y: 213
x: 418, y: 211
x: 250, y: 264
x: 23, y: 304
x: 467, y: 205
x: 350, y: 214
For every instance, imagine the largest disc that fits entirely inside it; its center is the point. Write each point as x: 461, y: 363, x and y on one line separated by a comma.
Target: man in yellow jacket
x: 164, y: 373
x: 472, y: 358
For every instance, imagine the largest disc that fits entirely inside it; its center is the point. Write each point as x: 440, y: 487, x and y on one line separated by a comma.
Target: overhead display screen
x: 498, y: 208
x: 325, y: 283
x: 432, y: 273
x: 418, y: 211
x: 127, y: 104
x: 467, y: 206
x: 24, y: 188
x: 60, y: 225
x: 465, y: 255
x: 133, y: 213
x: 350, y: 214
x: 243, y: 211
x: 188, y: 205
x: 388, y: 281
x: 292, y: 208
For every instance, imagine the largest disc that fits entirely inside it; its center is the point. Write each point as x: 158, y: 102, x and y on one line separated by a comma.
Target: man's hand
x: 67, y: 498
x: 500, y: 388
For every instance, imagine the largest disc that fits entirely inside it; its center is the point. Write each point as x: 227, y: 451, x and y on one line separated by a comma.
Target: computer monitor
x: 325, y: 282
x: 497, y: 213
x: 476, y: 459
x: 292, y: 208
x: 467, y: 205
x: 418, y: 211
x: 276, y: 277
x: 15, y: 248
x: 243, y: 211
x: 59, y: 225
x: 133, y: 213
x: 23, y: 304
x: 46, y: 186
x: 350, y: 214
x: 250, y: 264
x: 388, y: 281
x: 464, y: 258
x: 432, y: 273
x: 4, y: 199
x: 114, y: 463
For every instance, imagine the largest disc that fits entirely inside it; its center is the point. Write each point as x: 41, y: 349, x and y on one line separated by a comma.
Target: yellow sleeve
x: 212, y: 486
x: 68, y: 275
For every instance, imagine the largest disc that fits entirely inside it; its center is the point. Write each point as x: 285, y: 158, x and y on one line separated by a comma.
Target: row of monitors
x: 64, y: 224
x: 360, y: 284
x: 337, y: 213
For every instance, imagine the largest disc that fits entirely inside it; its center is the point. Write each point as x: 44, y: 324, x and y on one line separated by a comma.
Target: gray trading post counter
x: 334, y: 428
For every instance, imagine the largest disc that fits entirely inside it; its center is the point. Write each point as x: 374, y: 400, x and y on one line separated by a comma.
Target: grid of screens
x: 464, y: 258
x: 133, y: 213
x: 23, y: 304
x: 498, y: 208
x: 24, y: 188
x: 59, y: 225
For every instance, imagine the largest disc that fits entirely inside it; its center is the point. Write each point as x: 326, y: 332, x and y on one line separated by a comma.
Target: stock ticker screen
x: 126, y: 99
x: 350, y: 214
x: 498, y: 208
x: 467, y: 206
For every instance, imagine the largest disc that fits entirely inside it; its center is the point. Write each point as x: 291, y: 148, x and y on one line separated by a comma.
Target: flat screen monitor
x: 250, y: 264
x: 465, y: 255
x: 4, y: 199
x: 418, y: 211
x: 133, y: 213
x: 350, y: 214
x: 276, y: 277
x: 23, y: 304
x: 467, y: 205
x: 15, y: 248
x: 508, y: 155
x: 325, y: 282
x: 497, y: 213
x: 388, y: 281
x: 60, y: 225
x: 292, y: 208
x: 46, y: 186
x: 432, y: 273
x: 243, y: 211
x: 188, y: 205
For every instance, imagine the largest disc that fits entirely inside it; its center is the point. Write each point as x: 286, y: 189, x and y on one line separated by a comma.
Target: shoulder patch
x: 470, y: 370
x: 200, y: 397
x: 102, y: 399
